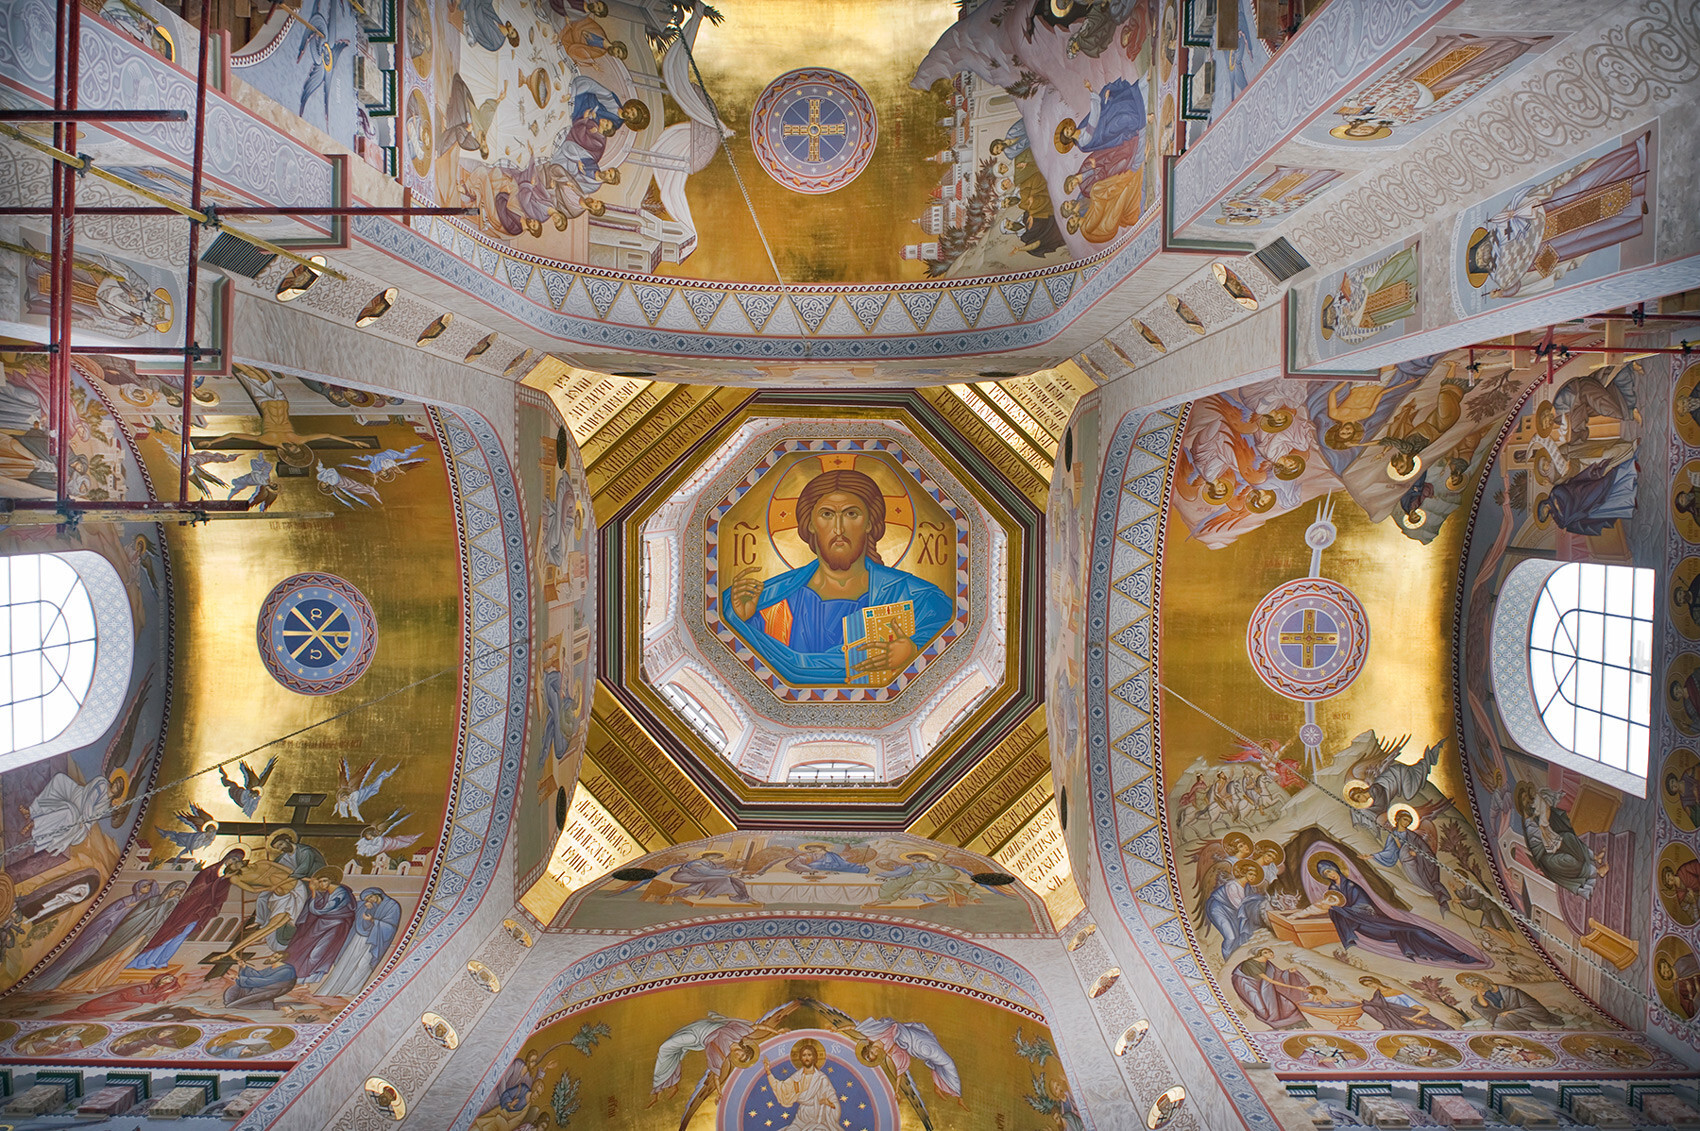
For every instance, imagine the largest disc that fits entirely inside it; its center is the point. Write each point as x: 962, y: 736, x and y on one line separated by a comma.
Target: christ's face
x: 806, y: 1056
x: 840, y: 526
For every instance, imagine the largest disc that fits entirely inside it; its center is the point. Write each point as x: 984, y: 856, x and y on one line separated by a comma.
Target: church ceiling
x: 987, y: 678
x: 968, y: 1055
x: 1312, y: 753
x: 154, y: 960
x: 577, y: 135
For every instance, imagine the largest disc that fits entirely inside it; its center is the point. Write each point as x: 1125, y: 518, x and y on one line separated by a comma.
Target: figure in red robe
x: 203, y: 899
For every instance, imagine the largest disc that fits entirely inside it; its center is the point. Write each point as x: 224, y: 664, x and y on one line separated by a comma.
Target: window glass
x: 49, y: 642
x: 831, y: 772
x: 1590, y: 662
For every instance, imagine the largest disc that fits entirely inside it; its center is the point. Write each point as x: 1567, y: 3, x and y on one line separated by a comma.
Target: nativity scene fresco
x: 253, y: 896
x: 890, y: 874
x: 583, y: 132
x: 1335, y: 874
x: 818, y: 1056
x: 1357, y: 873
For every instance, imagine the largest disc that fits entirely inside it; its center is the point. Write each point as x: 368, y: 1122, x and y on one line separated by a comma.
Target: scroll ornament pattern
x: 1332, y: 48
x: 1609, y: 83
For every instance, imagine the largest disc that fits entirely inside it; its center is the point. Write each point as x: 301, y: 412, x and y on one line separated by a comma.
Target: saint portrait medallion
x: 814, y: 130
x: 317, y: 633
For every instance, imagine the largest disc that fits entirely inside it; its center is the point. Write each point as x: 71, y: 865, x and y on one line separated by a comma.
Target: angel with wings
x: 378, y: 839
x: 1383, y: 776
x: 246, y: 793
x: 1413, y: 844
x: 890, y: 1046
x: 728, y: 1043
x: 935, y: 876
x: 203, y: 829
x: 353, y: 792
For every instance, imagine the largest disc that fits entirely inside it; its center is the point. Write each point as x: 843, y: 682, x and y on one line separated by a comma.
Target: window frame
x: 1514, y: 653
x: 115, y: 647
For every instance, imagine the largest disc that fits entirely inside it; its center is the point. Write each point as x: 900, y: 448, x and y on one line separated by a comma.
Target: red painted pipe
x: 149, y: 506
x: 72, y: 74
x: 194, y: 246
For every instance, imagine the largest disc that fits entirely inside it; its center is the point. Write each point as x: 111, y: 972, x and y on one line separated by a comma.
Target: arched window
x: 830, y: 773
x: 1572, y: 666
x: 65, y: 653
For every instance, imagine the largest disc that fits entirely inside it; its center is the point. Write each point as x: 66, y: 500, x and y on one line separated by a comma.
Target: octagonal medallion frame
x: 734, y: 643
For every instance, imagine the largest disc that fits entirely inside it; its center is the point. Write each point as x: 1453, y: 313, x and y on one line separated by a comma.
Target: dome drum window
x: 65, y: 653
x: 1572, y: 651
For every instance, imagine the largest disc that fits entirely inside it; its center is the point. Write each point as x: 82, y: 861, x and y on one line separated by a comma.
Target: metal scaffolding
x: 68, y: 167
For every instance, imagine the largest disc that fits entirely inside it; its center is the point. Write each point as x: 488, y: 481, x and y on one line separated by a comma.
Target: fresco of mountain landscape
x: 1335, y: 880
x: 847, y: 1054
x: 1027, y: 136
x: 891, y: 874
x: 253, y: 895
x: 560, y: 517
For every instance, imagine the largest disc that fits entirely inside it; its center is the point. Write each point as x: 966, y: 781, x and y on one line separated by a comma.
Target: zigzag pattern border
x: 1127, y: 545
x: 496, y: 627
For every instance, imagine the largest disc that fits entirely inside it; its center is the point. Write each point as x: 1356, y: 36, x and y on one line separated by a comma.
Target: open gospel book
x: 895, y: 621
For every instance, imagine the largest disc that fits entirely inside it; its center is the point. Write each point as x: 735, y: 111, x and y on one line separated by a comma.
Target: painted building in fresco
x: 867, y: 566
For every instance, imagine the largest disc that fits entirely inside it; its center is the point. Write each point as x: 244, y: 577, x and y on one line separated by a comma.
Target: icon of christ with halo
x: 796, y: 620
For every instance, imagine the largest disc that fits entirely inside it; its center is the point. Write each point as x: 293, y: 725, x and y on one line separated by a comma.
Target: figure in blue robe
x: 1591, y: 500
x: 810, y: 650
x: 379, y: 920
x: 484, y: 27
x: 1359, y: 919
x: 559, y: 707
x: 1117, y: 117
x: 821, y: 859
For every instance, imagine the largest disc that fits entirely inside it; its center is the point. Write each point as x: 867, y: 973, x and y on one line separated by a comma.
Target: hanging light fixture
x: 435, y: 330
x: 480, y: 346
x: 299, y: 279
x: 377, y: 308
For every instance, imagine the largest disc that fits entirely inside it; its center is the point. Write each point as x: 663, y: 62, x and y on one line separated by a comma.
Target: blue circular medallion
x: 1308, y: 638
x: 317, y: 633
x: 814, y: 130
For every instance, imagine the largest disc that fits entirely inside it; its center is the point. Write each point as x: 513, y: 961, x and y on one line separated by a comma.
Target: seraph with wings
x: 890, y: 1046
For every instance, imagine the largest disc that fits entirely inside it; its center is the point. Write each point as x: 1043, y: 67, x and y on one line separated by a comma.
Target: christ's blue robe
x: 812, y: 651
x: 824, y: 862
